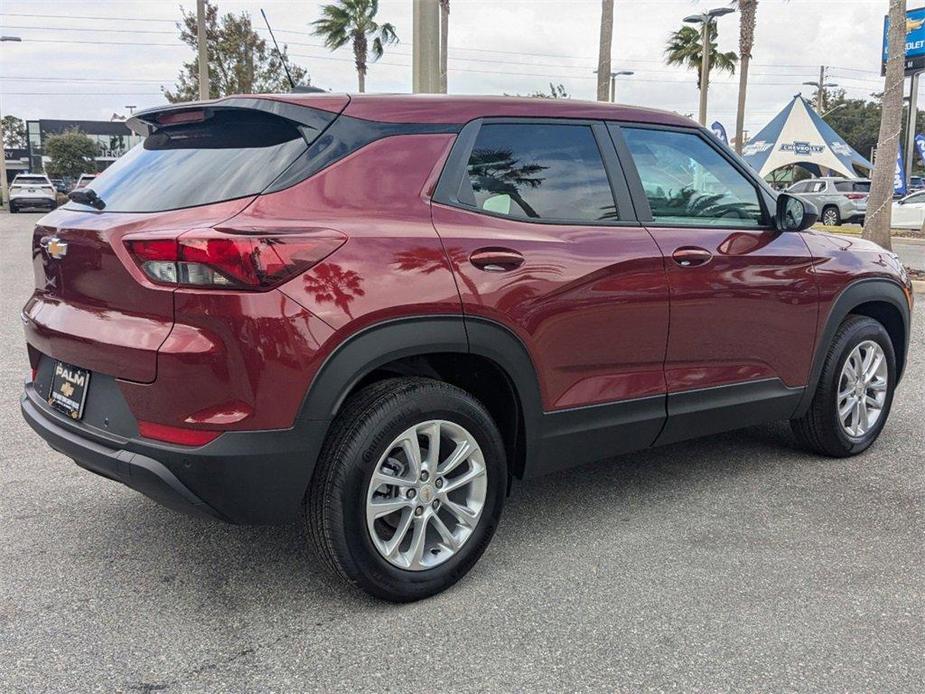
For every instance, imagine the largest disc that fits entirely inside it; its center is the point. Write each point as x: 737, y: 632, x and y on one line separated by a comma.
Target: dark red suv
x: 375, y: 312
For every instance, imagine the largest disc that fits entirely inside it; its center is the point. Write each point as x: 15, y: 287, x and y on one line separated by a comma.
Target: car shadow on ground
x: 210, y: 558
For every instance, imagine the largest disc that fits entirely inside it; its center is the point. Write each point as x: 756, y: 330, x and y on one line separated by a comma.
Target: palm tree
x: 685, y: 47
x: 748, y: 9
x: 603, y: 53
x: 444, y: 39
x: 879, y: 204
x: 354, y: 21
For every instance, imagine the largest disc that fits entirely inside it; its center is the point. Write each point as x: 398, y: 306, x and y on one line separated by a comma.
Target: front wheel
x: 409, y: 488
x: 854, y: 393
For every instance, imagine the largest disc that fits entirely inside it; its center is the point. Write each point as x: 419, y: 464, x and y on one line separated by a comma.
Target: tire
x: 831, y: 216
x: 363, y: 441
x: 822, y: 428
x: 13, y: 209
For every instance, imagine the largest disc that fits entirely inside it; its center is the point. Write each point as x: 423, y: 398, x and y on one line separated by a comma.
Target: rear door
x: 537, y: 222
x: 743, y: 295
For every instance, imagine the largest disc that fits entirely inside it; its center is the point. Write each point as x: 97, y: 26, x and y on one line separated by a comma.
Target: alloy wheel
x: 426, y: 495
x: 862, y: 389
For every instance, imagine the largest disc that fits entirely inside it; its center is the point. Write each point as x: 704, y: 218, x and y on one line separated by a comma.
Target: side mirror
x: 794, y: 214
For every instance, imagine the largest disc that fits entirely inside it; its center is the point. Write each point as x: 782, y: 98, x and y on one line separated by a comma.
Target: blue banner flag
x: 719, y: 131
x: 899, y: 176
x: 920, y: 146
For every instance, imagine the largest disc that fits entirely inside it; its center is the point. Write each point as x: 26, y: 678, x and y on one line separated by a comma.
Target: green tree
x: 354, y: 22
x: 685, y: 47
x: 70, y: 154
x: 556, y: 91
x: 240, y: 62
x: 14, y: 132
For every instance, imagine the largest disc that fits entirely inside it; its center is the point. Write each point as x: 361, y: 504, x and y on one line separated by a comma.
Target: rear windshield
x: 232, y: 154
x: 31, y: 181
x: 853, y: 186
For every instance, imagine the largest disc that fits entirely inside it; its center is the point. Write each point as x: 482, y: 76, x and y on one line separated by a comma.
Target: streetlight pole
x: 203, y: 50
x: 4, y: 186
x: 706, y: 20
x: 613, y: 82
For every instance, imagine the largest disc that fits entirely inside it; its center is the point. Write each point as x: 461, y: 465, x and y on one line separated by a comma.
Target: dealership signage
x: 915, y: 41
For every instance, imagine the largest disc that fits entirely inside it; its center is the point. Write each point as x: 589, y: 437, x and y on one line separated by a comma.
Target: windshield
x: 230, y: 155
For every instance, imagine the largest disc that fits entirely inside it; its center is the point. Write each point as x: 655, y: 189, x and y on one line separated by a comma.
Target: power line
x: 593, y: 59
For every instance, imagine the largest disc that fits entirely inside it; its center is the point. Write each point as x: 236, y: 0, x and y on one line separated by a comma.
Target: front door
x: 542, y: 238
x: 743, y: 295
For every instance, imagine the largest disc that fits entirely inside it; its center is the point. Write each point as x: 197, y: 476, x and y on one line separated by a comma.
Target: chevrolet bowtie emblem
x: 913, y: 24
x: 55, y: 247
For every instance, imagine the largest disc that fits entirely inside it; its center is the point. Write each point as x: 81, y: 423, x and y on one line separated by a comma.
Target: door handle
x: 496, y: 259
x: 691, y: 256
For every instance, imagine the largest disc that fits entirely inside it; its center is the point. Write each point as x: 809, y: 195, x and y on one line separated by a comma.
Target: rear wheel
x: 831, y: 217
x: 855, y: 391
x: 409, y: 488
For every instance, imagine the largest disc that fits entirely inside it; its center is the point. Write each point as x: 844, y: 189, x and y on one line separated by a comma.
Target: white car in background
x: 909, y: 212
x: 32, y: 191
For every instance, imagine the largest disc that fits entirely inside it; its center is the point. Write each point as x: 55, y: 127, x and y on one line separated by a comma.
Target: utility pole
x: 4, y: 186
x: 203, y: 50
x: 604, y: 50
x: 425, y: 57
x: 821, y: 86
x: 706, y: 21
x: 911, y: 123
x: 820, y: 94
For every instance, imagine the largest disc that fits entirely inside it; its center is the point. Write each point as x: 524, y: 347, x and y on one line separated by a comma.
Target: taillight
x: 856, y: 196
x: 218, y: 260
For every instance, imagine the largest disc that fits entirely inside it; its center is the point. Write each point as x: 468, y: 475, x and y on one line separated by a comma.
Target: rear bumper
x: 22, y: 203
x: 241, y: 477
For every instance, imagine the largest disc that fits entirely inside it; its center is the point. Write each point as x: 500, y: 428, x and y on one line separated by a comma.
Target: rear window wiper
x: 87, y: 196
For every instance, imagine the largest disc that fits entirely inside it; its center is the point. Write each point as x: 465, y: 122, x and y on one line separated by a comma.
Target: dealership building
x: 113, y: 137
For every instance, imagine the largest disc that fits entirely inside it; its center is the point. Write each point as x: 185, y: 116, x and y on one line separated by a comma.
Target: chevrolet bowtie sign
x: 54, y: 247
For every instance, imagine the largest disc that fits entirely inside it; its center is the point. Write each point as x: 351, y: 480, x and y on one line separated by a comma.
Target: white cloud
x: 535, y: 42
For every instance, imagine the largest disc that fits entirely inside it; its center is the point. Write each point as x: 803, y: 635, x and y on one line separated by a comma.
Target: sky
x: 88, y: 60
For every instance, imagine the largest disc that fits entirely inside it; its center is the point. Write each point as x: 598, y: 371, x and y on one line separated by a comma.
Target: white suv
x: 32, y: 190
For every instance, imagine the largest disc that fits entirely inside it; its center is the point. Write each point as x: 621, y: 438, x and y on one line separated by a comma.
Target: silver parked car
x: 838, y: 199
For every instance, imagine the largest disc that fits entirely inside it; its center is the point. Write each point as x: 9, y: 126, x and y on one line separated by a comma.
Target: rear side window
x: 540, y: 172
x: 230, y: 155
x: 853, y: 186
x: 687, y: 182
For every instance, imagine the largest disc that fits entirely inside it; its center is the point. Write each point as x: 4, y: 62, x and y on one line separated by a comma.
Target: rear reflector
x: 218, y: 260
x: 177, y: 435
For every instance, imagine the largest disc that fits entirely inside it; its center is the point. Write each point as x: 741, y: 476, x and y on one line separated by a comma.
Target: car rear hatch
x: 94, y: 305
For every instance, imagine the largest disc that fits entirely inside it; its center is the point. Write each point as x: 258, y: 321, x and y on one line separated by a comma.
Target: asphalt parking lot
x: 731, y: 564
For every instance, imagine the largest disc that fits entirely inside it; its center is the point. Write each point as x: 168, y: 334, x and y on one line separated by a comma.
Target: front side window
x: 538, y: 172
x: 687, y: 182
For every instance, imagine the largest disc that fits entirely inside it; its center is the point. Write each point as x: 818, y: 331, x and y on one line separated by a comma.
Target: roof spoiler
x: 148, y: 120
